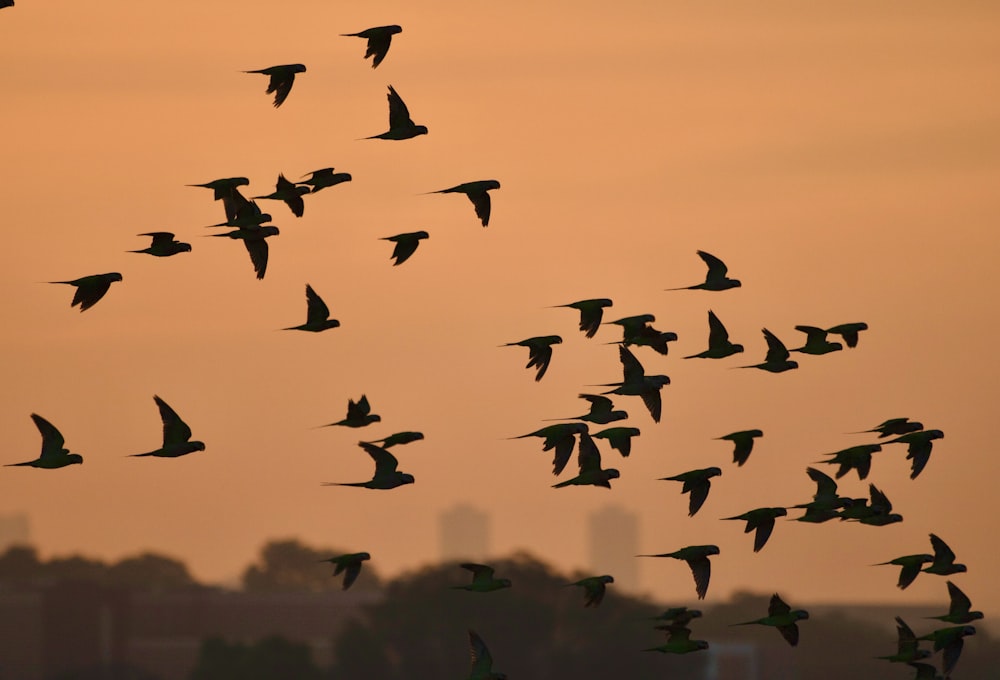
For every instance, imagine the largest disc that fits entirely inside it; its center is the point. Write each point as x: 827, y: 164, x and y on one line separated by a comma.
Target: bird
x: 680, y: 616
x: 227, y: 191
x: 951, y: 641
x: 176, y: 435
x: 282, y: 79
x: 482, y: 660
x: 90, y: 289
x: 782, y: 617
x: 358, y: 414
x: 826, y: 502
x: 398, y: 438
x: 919, y: 445
x: 478, y: 193
x: 560, y: 437
x: 849, y: 332
x: 539, y: 352
x: 591, y: 472
x: 620, y: 438
x: 317, y: 314
x: 594, y: 588
x: 776, y: 360
x: 697, y: 558
x: 816, y: 342
x: 349, y: 564
x: 678, y: 641
x: 697, y: 483
x: 638, y: 330
x: 635, y: 382
x: 715, y: 279
x: 761, y: 520
x: 164, y: 245
x: 893, y: 427
x: 386, y: 475
x: 291, y: 194
x: 379, y: 39
x: 401, y: 126
x: 323, y: 178
x: 959, y: 608
x: 910, y: 567
x: 591, y: 313
x: 255, y: 241
x: 907, y: 645
x: 601, y: 411
x: 858, y: 458
x: 878, y: 512
x: 743, y: 444
x: 719, y: 346
x: 406, y: 245
x: 482, y: 579
x: 943, y: 563
x: 53, y: 454
x: 243, y: 213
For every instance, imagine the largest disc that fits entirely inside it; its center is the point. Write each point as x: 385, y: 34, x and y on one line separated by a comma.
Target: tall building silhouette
x: 14, y: 530
x: 613, y: 541
x: 465, y: 533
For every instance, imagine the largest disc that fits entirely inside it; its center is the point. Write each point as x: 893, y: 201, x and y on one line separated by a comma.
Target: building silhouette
x: 14, y: 530
x: 465, y: 533
x: 612, y: 543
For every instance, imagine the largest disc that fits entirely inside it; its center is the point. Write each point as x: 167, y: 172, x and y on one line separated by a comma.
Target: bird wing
x: 764, y: 529
x: 701, y: 569
x: 378, y: 47
x: 589, y: 457
x: 776, y: 350
x: 257, y: 248
x: 826, y: 487
x: 879, y: 501
x: 717, y: 269
x: 699, y: 493
x: 482, y: 661
x: 175, y: 430
x: 281, y: 85
x: 351, y: 571
x: 907, y: 639
x: 316, y: 309
x: 563, y: 452
x: 777, y: 606
x: 790, y: 632
x: 598, y: 404
x: 481, y: 201
x: 594, y: 590
x: 540, y: 356
x: 160, y: 238
x: 404, y: 248
x: 480, y: 572
x: 385, y: 462
x: 718, y: 336
x: 399, y: 115
x: 359, y: 408
x: 942, y: 553
x: 960, y: 602
x: 52, y: 440
x: 632, y: 370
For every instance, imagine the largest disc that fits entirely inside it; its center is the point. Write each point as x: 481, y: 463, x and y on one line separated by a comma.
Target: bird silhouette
x: 560, y: 437
x: 620, y: 438
x: 715, y: 279
x: 54, y: 454
x: 893, y: 427
x: 401, y: 126
x: 255, y: 240
x: 591, y: 313
x: 877, y: 512
x: 858, y: 458
x: 406, y: 245
x: 176, y: 435
x: 386, y: 474
x: 697, y: 558
x: 826, y: 503
x: 849, y: 332
x: 482, y: 660
x: 379, y: 39
x: 539, y: 352
x: 697, y: 483
x: 635, y: 382
x: 398, y: 439
x: 358, y: 414
x: 227, y: 191
x: 594, y: 588
x: 782, y: 617
x: 478, y: 193
x: 816, y: 342
x: 90, y: 289
x: 943, y: 563
x: 907, y: 645
x: 719, y: 346
x: 919, y: 446
x: 349, y: 565
x: 743, y: 444
x: 323, y: 178
x: 959, y: 609
x: 678, y: 641
x: 760, y: 520
x: 317, y: 314
x: 949, y: 641
x: 483, y: 580
x: 910, y: 567
x: 591, y: 472
x: 601, y: 411
x: 282, y: 79
x: 776, y: 360
x: 164, y: 245
x: 291, y: 194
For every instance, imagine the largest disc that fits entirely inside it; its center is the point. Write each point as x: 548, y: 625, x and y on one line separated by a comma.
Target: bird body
x: 478, y: 193
x: 317, y: 314
x: 907, y: 646
x: 379, y: 39
x: 591, y: 313
x: 164, y: 245
x: 697, y: 558
x: 858, y: 458
x: 782, y: 617
x: 54, y: 454
x: 910, y: 567
x: 950, y: 640
x: 697, y: 483
x: 760, y: 520
x: 561, y: 438
x: 816, y: 342
x: 325, y: 177
x: 678, y: 641
x: 349, y: 565
x: 176, y: 435
x: 776, y: 360
x: 719, y: 346
x: 919, y: 445
x: 601, y: 411
x: 255, y: 241
x: 893, y: 427
x: 743, y: 444
x: 406, y: 245
x: 635, y: 382
x: 943, y: 563
x: 715, y: 279
x: 281, y: 80
x: 539, y: 352
x: 849, y: 332
x: 90, y: 289
x: 398, y: 438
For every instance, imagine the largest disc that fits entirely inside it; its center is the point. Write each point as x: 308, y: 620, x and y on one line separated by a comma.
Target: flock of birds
x: 250, y: 225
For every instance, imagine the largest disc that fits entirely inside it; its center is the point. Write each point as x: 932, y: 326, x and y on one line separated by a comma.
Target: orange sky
x: 843, y: 160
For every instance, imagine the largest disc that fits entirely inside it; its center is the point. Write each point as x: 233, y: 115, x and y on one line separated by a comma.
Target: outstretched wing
x: 385, y: 462
x: 175, y: 430
x: 717, y: 269
x: 482, y: 661
x: 316, y: 309
x: 399, y: 115
x: 52, y: 439
x: 776, y: 350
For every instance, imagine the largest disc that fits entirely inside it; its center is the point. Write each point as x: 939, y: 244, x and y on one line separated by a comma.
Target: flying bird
x: 482, y: 660
x: 951, y: 641
x: 326, y: 177
x: 716, y: 278
x: 719, y: 346
x: 826, y: 502
x: 53, y: 454
x: 816, y: 342
x: 919, y: 445
x: 849, y: 332
x: 349, y: 565
x: 782, y: 617
x: 943, y: 563
x: 291, y: 194
x: 620, y: 438
x: 760, y: 520
x: 680, y: 616
x: 483, y: 580
x: 539, y: 352
x: 227, y: 191
x: 176, y: 435
x: 878, y: 512
x: 910, y: 567
x: 164, y: 245
x: 776, y: 360
x: 907, y: 645
x: 593, y: 588
x: 678, y: 641
x: 379, y: 39
x: 697, y: 483
x: 560, y: 437
x: 635, y: 382
x: 894, y: 427
x: 282, y: 79
x: 478, y: 193
x: 255, y: 241
x: 591, y: 472
x: 591, y: 313
x: 697, y: 558
x: 386, y: 475
x: 398, y: 439
x: 401, y: 126
x: 638, y: 330
x: 601, y: 411
x: 317, y: 314
x: 406, y: 245
x: 743, y: 444
x: 858, y: 458
x: 90, y: 289
x: 358, y: 414
x: 959, y: 609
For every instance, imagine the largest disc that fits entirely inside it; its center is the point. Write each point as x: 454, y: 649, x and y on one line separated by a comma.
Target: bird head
x: 198, y: 446
x: 612, y: 473
x: 184, y: 247
x: 74, y: 458
x: 407, y: 478
x: 420, y: 129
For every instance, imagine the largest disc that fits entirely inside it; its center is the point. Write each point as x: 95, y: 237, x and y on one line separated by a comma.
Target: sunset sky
x: 842, y: 158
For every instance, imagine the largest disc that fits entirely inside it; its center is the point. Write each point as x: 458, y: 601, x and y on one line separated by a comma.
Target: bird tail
x: 17, y: 464
x: 562, y: 484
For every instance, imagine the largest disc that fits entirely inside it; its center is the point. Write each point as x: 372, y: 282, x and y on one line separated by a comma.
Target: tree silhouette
x: 269, y: 658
